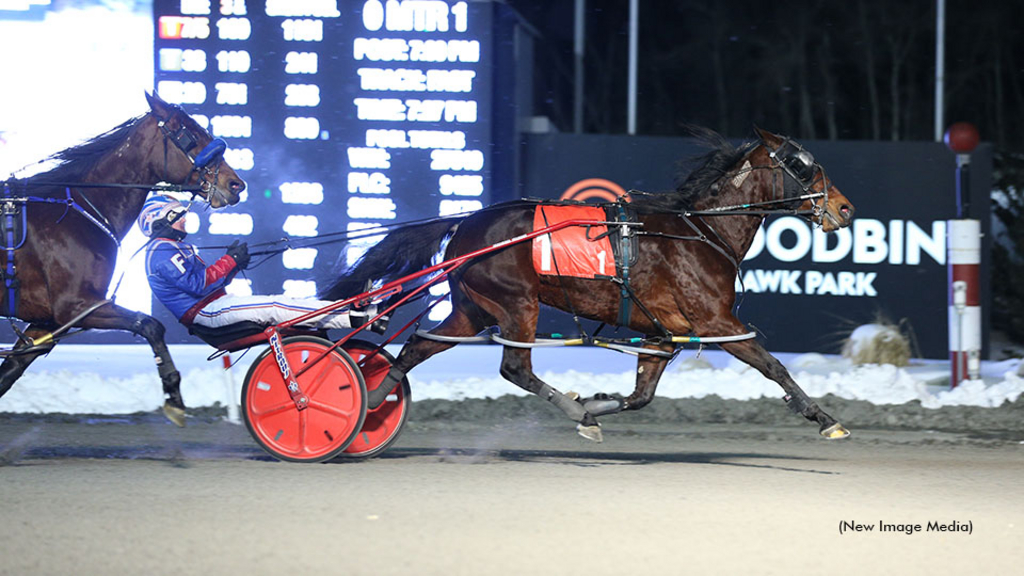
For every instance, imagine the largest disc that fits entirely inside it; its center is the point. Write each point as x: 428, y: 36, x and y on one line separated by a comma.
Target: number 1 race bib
x: 568, y: 252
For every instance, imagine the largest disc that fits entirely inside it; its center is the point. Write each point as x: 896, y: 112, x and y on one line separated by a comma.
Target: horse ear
x: 766, y: 136
x: 158, y: 106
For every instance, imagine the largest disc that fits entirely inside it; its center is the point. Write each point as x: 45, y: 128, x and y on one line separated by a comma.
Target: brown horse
x: 74, y: 218
x: 683, y: 282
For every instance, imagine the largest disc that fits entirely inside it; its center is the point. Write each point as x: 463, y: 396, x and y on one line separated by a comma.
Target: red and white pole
x: 964, y: 261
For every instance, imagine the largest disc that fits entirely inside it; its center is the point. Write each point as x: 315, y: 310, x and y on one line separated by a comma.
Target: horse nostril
x: 237, y: 186
x: 846, y: 210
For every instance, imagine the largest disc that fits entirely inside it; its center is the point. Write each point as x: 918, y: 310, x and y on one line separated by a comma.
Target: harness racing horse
x: 691, y: 242
x: 75, y: 216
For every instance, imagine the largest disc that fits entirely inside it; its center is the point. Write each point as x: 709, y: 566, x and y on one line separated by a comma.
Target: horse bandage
x: 572, y: 251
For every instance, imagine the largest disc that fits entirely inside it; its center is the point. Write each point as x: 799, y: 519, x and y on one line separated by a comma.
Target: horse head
x: 804, y: 183
x: 189, y: 155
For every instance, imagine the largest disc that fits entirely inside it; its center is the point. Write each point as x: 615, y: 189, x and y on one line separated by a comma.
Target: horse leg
x: 649, y: 368
x: 518, y: 322
x: 16, y: 364
x: 755, y: 355
x: 418, y: 349
x: 114, y: 317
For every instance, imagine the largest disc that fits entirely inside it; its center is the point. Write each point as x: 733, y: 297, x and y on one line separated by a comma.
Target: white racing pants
x: 269, y: 310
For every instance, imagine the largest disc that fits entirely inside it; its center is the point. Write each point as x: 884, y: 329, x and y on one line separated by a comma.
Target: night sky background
x: 855, y: 70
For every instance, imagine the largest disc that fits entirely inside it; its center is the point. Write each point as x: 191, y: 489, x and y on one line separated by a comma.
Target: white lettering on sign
x: 178, y: 60
x: 301, y: 63
x: 232, y: 93
x: 235, y: 224
x: 299, y: 288
x: 868, y: 241
x: 414, y: 110
x: 303, y: 30
x: 369, y: 158
x: 178, y: 92
x: 425, y: 110
x: 380, y: 208
x: 380, y: 49
x: 232, y: 8
x: 302, y: 95
x: 228, y: 126
x: 455, y: 140
x: 301, y: 225
x: 472, y: 160
x: 387, y: 109
x: 394, y: 79
x: 815, y: 283
x: 418, y: 15
x: 368, y: 183
x: 183, y: 27
x: 234, y: 29
x: 386, y: 139
x: 412, y: 80
x: 401, y: 50
x: 233, y: 61
x: 840, y: 283
x: 461, y: 185
x: 240, y: 158
x: 449, y: 207
x: 302, y: 192
x: 194, y: 7
x: 314, y: 8
x: 444, y: 50
x: 301, y: 128
x: 299, y: 258
x: 450, y: 80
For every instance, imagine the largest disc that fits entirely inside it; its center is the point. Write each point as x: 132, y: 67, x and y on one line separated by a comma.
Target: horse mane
x: 78, y: 160
x: 699, y: 183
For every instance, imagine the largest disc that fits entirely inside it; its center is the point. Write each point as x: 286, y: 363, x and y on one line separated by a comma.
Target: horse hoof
x: 175, y: 415
x: 572, y: 395
x: 592, y: 433
x: 835, y: 432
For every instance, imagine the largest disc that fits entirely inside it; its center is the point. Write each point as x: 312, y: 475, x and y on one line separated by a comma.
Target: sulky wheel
x: 336, y: 409
x: 384, y: 424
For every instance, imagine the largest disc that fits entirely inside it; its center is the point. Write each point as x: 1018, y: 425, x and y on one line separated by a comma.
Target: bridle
x: 800, y: 172
x: 803, y: 172
x: 185, y: 141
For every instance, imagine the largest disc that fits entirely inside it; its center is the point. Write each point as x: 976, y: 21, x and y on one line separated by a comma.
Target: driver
x: 194, y: 291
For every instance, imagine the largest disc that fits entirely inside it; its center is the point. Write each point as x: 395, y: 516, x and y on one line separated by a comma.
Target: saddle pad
x: 569, y: 252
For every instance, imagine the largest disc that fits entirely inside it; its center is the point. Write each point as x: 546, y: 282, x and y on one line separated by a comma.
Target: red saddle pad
x: 569, y: 252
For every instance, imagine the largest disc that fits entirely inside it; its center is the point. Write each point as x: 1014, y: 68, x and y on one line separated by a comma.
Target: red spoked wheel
x: 333, y: 417
x: 383, y: 425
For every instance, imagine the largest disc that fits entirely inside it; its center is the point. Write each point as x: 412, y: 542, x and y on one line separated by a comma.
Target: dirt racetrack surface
x: 505, y: 487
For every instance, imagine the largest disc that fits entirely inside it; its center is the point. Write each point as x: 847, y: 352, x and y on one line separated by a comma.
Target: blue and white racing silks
x: 180, y: 279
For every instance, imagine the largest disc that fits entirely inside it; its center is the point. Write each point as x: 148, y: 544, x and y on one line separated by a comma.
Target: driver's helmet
x: 158, y: 213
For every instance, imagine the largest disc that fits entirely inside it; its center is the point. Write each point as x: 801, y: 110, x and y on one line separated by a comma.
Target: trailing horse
x: 688, y: 245
x: 63, y: 228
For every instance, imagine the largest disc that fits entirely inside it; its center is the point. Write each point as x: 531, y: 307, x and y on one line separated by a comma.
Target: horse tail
x: 403, y: 251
